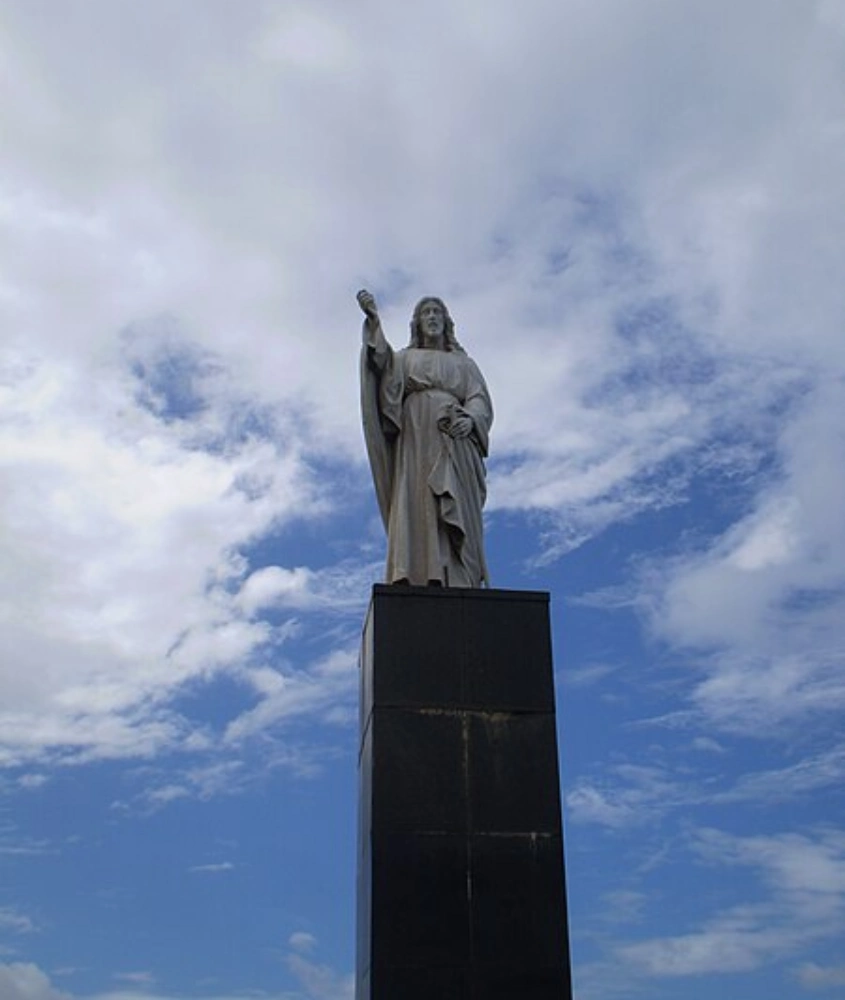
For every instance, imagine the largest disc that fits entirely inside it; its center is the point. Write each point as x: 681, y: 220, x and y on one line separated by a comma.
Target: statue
x: 427, y: 416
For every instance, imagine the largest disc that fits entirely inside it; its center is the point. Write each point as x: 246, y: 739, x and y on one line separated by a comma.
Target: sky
x: 635, y: 210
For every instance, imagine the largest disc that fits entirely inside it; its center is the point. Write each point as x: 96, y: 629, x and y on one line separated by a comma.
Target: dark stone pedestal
x: 460, y: 867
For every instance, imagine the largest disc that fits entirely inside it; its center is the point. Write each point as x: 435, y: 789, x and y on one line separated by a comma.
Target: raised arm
x: 379, y: 351
x: 367, y: 302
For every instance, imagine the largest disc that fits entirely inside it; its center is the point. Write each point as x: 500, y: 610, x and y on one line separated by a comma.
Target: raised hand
x: 367, y: 302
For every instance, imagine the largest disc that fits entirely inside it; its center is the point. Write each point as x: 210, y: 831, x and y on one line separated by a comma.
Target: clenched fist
x: 367, y: 303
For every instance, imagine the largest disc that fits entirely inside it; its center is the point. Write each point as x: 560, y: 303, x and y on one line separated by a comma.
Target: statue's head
x: 431, y: 322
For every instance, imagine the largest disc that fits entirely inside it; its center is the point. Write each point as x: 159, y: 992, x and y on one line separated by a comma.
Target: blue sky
x: 634, y: 212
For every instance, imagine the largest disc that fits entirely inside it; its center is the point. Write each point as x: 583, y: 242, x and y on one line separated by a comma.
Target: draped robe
x: 431, y: 487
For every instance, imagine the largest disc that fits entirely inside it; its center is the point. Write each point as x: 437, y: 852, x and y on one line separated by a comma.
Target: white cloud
x: 737, y: 941
x: 32, y: 781
x: 793, y: 863
x: 283, y: 696
x: 625, y: 796
x: 213, y: 869
x: 514, y: 198
x: 24, y: 981
x: 144, y: 994
x: 13, y: 845
x: 302, y: 941
x: 817, y: 771
x: 638, y: 229
x: 633, y: 794
x: 588, y: 804
x: 815, y: 977
x: 805, y: 877
x: 646, y: 298
x: 623, y: 906
x: 341, y: 588
x: 706, y: 744
x: 142, y: 979
x: 306, y: 40
x: 588, y: 675
x: 273, y: 585
x: 121, y: 566
x: 231, y: 768
x: 762, y: 606
x: 321, y: 982
x: 12, y: 920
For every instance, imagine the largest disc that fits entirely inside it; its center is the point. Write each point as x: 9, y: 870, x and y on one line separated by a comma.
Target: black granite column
x: 460, y: 868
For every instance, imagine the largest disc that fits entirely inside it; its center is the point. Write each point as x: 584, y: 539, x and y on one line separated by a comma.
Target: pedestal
x: 460, y: 866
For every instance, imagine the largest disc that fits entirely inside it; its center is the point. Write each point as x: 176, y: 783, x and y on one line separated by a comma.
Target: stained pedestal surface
x: 460, y: 868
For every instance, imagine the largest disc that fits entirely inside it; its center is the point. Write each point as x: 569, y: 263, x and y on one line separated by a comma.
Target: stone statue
x: 427, y: 416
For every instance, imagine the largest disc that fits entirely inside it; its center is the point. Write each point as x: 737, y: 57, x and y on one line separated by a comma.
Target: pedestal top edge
x: 459, y: 593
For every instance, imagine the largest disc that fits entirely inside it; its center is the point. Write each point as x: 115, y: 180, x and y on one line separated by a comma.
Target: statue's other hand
x: 367, y: 302
x: 461, y: 426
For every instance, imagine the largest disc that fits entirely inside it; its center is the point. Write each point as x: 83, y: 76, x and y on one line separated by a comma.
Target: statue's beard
x: 433, y: 337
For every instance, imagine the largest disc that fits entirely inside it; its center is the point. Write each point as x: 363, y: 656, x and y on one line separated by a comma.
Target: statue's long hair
x: 451, y: 341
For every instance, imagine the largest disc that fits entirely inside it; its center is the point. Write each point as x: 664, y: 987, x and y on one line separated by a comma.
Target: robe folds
x: 430, y: 486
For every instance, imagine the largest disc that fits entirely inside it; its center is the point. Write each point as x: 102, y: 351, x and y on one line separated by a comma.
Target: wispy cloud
x: 657, y: 304
x: 587, y: 675
x: 622, y: 796
x: 761, y: 607
x: 631, y: 795
x: 805, y: 878
x: 214, y: 868
x: 13, y: 845
x: 226, y: 771
x: 121, y: 558
x: 623, y: 906
x: 143, y: 979
x: 26, y: 981
x: 823, y: 770
x: 302, y: 942
x: 820, y: 977
x: 13, y: 920
x: 321, y: 982
x: 282, y: 696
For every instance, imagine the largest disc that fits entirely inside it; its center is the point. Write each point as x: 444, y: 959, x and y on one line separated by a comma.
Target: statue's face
x: 432, y: 321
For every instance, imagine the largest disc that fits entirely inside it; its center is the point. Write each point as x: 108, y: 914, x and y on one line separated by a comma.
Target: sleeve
x: 381, y: 419
x: 379, y: 353
x: 479, y: 406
